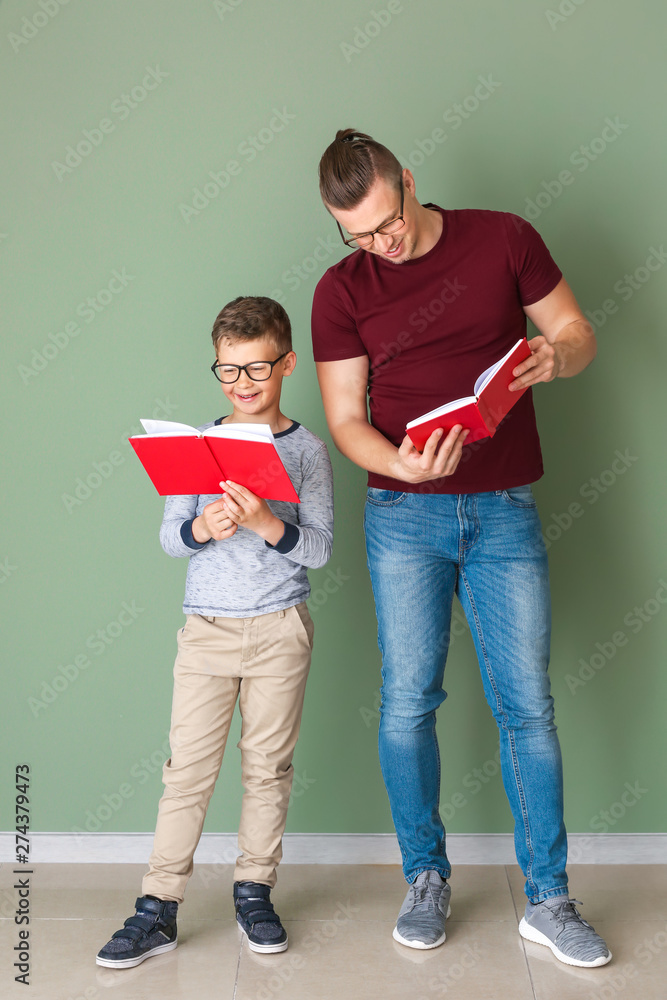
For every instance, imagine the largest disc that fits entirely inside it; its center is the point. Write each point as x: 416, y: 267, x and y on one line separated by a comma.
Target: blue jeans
x: 488, y: 549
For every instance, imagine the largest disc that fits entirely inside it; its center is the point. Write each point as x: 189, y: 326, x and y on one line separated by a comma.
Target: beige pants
x: 264, y: 661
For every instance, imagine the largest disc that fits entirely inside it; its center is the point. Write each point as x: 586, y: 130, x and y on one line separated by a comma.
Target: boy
x: 248, y: 634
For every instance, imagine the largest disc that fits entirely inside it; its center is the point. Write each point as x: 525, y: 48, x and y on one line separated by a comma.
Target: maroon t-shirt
x: 431, y: 325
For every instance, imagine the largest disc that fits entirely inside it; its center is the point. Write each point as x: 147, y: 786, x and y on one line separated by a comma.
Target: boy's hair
x: 251, y: 317
x: 351, y: 165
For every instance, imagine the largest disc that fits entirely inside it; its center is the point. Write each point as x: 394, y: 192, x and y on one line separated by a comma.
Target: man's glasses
x: 364, y: 240
x: 258, y: 371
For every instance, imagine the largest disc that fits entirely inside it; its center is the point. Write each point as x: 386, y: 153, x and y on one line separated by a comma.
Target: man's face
x: 381, y: 205
x: 252, y: 399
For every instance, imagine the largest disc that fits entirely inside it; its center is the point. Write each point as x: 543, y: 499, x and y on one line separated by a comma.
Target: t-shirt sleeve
x: 533, y: 266
x: 335, y: 334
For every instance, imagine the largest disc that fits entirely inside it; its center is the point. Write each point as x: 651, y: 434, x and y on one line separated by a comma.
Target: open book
x: 480, y: 413
x: 182, y: 460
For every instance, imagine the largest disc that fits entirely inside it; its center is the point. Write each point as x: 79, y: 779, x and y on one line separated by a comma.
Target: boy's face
x: 254, y: 399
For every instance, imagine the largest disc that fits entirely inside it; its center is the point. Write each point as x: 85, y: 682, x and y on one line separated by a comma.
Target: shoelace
x: 419, y: 895
x: 566, y: 911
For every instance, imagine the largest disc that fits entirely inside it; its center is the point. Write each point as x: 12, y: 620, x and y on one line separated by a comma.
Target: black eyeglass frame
x: 244, y: 368
x: 355, y: 239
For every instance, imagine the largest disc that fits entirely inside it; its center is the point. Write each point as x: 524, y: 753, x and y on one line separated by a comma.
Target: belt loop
x: 281, y: 613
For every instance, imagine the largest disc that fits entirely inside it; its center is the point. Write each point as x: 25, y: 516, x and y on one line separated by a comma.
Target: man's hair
x: 351, y: 165
x: 251, y: 317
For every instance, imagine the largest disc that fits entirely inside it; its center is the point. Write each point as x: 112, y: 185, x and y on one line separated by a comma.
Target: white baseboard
x: 338, y: 848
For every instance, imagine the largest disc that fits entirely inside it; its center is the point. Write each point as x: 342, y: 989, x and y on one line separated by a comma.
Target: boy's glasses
x: 365, y: 239
x: 258, y: 371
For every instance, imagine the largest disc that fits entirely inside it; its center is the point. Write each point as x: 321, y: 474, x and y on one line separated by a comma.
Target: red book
x: 182, y: 460
x: 480, y: 413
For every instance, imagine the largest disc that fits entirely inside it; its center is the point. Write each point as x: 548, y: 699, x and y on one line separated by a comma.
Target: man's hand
x: 544, y: 364
x: 414, y: 467
x: 246, y: 509
x: 213, y: 522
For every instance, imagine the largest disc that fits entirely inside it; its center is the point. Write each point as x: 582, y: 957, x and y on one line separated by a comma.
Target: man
x: 428, y: 300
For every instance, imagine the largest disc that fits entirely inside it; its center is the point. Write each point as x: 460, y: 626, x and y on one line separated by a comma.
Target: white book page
x: 441, y: 410
x: 241, y: 432
x: 487, y: 375
x: 166, y: 427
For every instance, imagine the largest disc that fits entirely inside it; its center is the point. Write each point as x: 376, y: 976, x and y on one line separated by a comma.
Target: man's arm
x: 343, y: 385
x: 567, y: 342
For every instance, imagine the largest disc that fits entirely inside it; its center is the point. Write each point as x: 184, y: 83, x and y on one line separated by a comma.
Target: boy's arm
x: 309, y: 543
x: 176, y: 536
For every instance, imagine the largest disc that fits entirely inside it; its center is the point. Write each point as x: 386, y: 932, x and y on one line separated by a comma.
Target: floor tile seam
x: 238, y: 969
x: 521, y: 940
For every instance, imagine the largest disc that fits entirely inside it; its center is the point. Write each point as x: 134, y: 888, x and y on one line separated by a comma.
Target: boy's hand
x: 246, y: 509
x: 213, y: 522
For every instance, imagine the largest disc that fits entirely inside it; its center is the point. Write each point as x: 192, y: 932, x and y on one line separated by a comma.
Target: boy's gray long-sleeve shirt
x: 244, y: 576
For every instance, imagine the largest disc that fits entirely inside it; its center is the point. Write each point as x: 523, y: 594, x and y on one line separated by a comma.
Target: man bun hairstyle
x: 351, y: 165
x: 251, y: 317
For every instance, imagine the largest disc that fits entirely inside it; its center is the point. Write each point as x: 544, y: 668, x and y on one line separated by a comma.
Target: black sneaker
x: 151, y: 931
x: 257, y: 918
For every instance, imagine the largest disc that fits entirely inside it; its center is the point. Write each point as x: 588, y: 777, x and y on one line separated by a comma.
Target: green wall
x: 76, y: 376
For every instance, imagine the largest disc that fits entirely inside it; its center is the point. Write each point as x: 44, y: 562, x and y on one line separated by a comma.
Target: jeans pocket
x: 384, y: 498
x: 519, y: 496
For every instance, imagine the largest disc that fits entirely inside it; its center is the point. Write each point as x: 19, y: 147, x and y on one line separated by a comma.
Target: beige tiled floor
x: 339, y: 919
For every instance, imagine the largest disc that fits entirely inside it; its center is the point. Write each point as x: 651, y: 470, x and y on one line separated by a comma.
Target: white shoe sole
x: 537, y: 937
x: 264, y: 949
x: 129, y: 963
x: 421, y: 945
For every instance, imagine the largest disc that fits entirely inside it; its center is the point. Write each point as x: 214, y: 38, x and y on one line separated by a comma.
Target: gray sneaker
x: 421, y: 919
x: 558, y: 924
